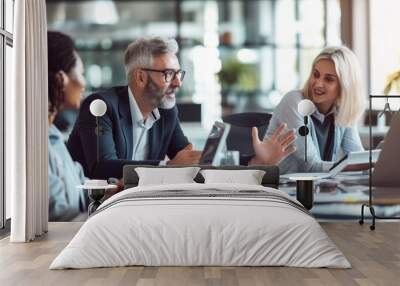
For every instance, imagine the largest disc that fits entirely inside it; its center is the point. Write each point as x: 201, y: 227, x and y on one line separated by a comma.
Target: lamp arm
x: 98, y: 139
x: 305, y: 138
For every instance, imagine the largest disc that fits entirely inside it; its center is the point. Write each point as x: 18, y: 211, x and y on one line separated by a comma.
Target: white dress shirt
x: 140, y: 129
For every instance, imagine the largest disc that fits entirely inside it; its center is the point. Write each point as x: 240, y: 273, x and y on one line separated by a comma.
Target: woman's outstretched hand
x: 274, y: 149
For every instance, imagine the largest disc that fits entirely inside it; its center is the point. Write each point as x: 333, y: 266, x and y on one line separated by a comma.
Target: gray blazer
x: 345, y: 139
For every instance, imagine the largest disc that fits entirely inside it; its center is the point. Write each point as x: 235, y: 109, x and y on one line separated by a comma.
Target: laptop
x: 214, y: 144
x: 386, y: 169
x: 353, y: 158
x: 386, y: 172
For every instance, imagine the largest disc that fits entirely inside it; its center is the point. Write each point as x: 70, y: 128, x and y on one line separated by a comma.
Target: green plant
x: 238, y: 76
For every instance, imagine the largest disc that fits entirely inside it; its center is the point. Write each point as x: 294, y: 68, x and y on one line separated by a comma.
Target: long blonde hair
x: 350, y: 103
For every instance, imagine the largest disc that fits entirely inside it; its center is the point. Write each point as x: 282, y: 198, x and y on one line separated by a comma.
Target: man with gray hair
x: 141, y: 125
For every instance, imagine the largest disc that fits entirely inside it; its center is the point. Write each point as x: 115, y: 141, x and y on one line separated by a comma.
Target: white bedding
x: 226, y: 224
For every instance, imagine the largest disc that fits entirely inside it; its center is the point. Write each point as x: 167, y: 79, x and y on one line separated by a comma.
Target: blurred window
x: 101, y: 41
x: 385, y: 50
x: 287, y: 35
x: 9, y: 15
x: 6, y: 60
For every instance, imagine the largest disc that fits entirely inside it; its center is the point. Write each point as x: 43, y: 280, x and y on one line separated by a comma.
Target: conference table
x: 341, y: 197
x: 338, y: 198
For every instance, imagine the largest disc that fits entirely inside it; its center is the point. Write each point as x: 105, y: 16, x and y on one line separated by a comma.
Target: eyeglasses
x: 169, y: 74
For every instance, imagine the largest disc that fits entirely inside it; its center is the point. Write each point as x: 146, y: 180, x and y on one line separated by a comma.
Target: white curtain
x: 26, y: 124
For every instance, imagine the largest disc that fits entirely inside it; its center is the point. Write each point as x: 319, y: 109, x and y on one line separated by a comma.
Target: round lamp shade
x: 98, y: 107
x: 306, y: 107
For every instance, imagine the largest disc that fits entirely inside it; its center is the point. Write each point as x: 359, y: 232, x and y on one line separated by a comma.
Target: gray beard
x: 155, y: 96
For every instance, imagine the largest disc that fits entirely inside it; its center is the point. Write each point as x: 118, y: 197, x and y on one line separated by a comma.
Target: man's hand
x: 187, y: 156
x: 273, y: 150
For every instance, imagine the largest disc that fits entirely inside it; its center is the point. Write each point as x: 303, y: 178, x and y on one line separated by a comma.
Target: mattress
x: 201, y: 225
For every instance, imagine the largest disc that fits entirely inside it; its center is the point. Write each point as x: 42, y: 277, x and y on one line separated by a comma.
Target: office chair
x: 239, y: 137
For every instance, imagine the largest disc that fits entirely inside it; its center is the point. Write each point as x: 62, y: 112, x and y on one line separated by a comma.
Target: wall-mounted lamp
x: 305, y: 107
x: 98, y: 108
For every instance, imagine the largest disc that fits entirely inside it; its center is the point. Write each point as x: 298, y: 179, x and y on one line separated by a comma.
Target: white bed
x: 201, y: 224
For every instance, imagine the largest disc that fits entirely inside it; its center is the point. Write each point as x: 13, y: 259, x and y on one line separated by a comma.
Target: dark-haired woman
x: 65, y: 87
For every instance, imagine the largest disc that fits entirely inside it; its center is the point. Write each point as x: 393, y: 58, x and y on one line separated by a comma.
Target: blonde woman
x: 334, y: 86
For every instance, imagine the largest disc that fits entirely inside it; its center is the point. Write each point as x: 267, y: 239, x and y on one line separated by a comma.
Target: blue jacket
x: 65, y: 200
x: 116, y: 141
x: 345, y: 138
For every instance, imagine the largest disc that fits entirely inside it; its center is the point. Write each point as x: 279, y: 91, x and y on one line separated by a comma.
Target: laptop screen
x: 214, y: 144
x: 386, y: 170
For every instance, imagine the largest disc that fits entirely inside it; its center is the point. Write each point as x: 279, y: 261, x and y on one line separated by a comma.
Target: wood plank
x: 374, y: 255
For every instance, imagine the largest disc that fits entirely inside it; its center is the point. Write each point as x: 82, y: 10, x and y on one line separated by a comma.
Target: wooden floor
x: 374, y: 255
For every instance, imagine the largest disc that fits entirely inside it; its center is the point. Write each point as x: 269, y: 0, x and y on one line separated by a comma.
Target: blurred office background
x: 239, y: 55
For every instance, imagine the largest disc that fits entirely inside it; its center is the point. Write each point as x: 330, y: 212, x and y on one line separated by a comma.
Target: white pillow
x: 164, y: 176
x: 248, y: 177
